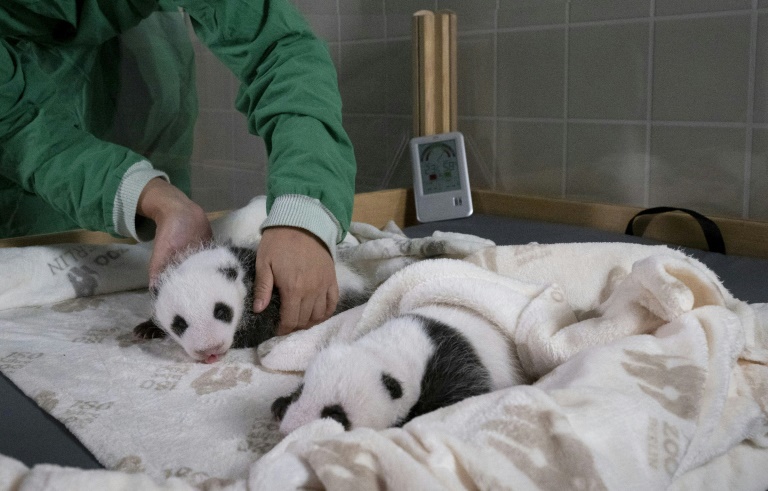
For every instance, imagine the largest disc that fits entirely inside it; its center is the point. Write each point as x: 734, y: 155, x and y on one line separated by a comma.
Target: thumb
x: 156, y: 265
x: 262, y: 287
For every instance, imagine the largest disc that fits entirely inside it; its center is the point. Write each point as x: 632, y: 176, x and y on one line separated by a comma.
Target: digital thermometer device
x: 440, y: 177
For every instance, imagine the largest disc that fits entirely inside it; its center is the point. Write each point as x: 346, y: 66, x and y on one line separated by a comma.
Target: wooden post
x: 446, y: 71
x: 423, y: 59
x: 434, y: 72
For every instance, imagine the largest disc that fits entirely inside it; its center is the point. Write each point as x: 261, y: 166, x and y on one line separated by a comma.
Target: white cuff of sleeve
x: 127, y: 223
x: 296, y: 210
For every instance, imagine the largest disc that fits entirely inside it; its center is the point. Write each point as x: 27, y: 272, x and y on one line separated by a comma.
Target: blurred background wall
x: 636, y: 102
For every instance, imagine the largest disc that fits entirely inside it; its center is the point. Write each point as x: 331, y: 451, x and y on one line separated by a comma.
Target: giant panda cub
x: 204, y: 302
x: 415, y: 363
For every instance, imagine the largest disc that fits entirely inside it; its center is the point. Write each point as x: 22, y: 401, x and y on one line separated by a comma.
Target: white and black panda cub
x: 413, y: 364
x: 205, y: 302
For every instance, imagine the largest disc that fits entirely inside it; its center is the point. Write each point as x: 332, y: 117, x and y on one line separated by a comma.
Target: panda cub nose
x: 337, y: 413
x: 212, y: 354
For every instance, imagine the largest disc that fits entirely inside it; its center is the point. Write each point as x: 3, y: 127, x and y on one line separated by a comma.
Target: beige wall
x: 638, y: 102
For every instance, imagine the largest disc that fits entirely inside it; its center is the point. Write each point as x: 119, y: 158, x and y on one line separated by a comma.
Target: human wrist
x: 309, y: 214
x: 160, y: 199
x: 126, y: 222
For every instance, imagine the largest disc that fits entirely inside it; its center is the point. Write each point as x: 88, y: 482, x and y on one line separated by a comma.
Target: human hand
x: 180, y: 222
x: 300, y: 266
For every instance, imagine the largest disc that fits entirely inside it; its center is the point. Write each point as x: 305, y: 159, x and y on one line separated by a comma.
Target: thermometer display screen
x: 439, y: 167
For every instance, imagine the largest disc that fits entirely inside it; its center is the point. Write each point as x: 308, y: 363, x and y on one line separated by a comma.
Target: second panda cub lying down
x: 204, y: 302
x: 415, y: 363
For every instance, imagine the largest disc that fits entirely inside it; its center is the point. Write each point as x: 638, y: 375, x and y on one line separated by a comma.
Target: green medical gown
x: 88, y: 88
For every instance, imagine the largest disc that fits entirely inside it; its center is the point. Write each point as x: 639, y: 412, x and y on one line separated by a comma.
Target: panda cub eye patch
x: 179, y: 325
x: 222, y: 312
x: 392, y: 385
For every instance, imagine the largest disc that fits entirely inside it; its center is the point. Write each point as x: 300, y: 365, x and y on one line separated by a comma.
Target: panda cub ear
x: 229, y: 272
x: 280, y: 405
x: 392, y: 385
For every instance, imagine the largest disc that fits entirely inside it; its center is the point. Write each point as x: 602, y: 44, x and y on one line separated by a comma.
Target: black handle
x: 711, y: 231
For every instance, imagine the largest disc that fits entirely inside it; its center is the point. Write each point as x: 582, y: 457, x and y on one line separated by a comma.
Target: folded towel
x: 42, y: 275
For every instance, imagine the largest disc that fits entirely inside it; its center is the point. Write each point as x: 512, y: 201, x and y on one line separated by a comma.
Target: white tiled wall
x: 639, y: 102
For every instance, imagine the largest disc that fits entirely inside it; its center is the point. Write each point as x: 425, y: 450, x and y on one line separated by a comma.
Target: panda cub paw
x: 148, y: 330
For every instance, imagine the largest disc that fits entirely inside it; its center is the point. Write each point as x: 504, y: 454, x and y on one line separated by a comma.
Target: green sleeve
x: 289, y: 93
x: 44, y: 151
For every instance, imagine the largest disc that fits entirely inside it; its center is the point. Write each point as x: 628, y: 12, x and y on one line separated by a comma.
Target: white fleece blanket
x: 652, y: 377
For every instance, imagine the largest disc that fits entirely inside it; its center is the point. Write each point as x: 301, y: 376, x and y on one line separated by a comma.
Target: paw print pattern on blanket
x: 77, y: 305
x: 97, y: 335
x: 130, y: 463
x: 348, y: 465
x: 525, y: 436
x: 17, y: 360
x: 82, y: 413
x: 165, y: 377
x: 221, y: 378
x: 84, y: 275
x: 83, y: 281
x: 263, y: 435
x: 47, y: 400
x: 678, y: 389
x: 756, y: 376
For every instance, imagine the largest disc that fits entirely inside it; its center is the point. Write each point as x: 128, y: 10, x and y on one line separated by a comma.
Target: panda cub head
x: 199, y: 302
x: 344, y: 383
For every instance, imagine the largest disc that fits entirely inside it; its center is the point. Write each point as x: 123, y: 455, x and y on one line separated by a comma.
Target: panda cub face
x: 200, y: 302
x: 344, y: 383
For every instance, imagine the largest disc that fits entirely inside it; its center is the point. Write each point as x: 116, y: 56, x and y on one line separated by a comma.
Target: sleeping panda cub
x: 204, y: 302
x: 413, y: 364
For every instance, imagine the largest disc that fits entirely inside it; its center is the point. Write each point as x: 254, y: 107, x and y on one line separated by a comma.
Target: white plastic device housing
x: 440, y: 204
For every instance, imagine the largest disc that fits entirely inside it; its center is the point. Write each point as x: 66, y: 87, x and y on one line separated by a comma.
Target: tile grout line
x: 389, y: 172
x: 595, y: 23
x: 338, y: 35
x: 564, y: 176
x: 496, y: 167
x: 750, y: 111
x: 518, y: 119
x: 384, y: 15
x: 649, y: 105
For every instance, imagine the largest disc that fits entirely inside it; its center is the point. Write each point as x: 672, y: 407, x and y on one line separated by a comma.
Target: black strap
x: 711, y: 231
